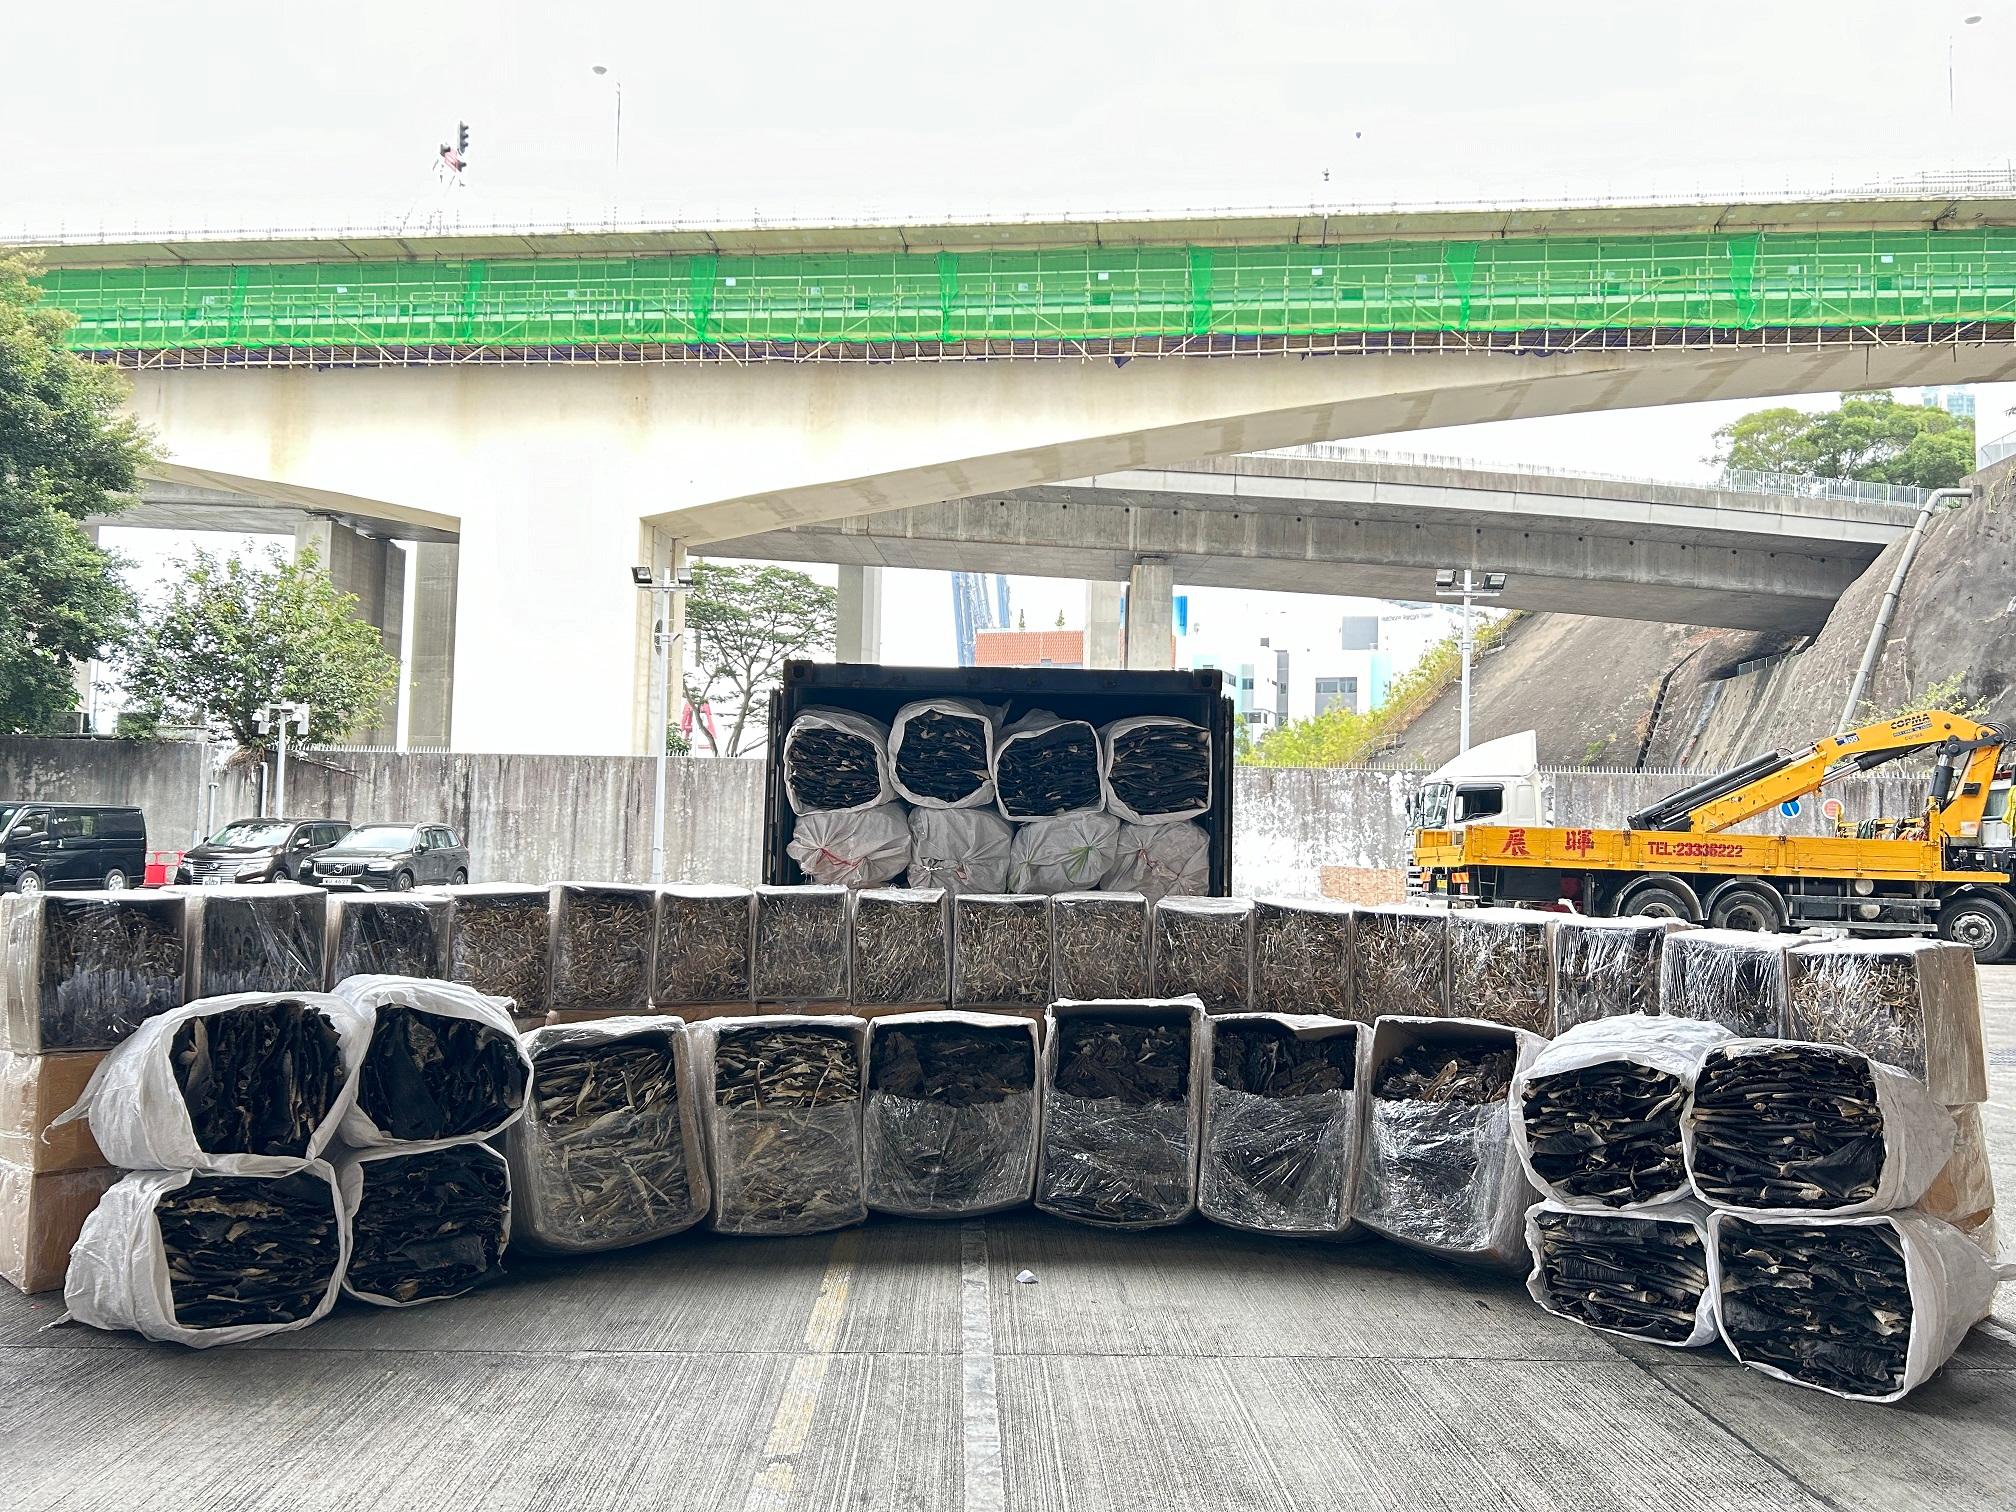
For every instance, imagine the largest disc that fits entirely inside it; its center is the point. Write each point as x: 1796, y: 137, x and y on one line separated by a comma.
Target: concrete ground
x: 900, y: 1366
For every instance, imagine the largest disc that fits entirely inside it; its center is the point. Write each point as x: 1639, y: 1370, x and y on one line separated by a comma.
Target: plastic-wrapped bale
x: 781, y: 1104
x: 1781, y: 1126
x: 705, y: 946
x: 1161, y: 860
x: 201, y: 1259
x: 1203, y: 947
x: 602, y: 945
x: 1122, y: 1111
x: 427, y: 1222
x: 1439, y: 1171
x: 444, y: 1062
x: 256, y: 939
x: 1606, y: 968
x: 1596, y: 1114
x: 951, y: 1113
x: 801, y: 945
x: 1400, y: 962
x: 855, y: 847
x: 941, y: 752
x: 388, y: 934
x: 1644, y: 1275
x: 1281, y: 1123
x: 902, y: 946
x: 1302, y: 956
x: 960, y: 850
x: 1001, y: 950
x: 1868, y: 1308
x: 1099, y: 945
x: 835, y: 761
x: 1047, y: 768
x: 608, y: 1153
x: 500, y: 943
x: 250, y: 1084
x: 1063, y: 855
x: 1910, y: 1003
x: 84, y: 970
x: 1498, y: 967
x: 1158, y: 769
x: 1730, y: 977
x: 1963, y: 1193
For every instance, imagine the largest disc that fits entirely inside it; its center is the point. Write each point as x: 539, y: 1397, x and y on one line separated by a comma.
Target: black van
x: 70, y: 845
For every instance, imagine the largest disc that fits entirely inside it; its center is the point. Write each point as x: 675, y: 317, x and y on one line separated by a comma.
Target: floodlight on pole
x: 1469, y: 586
x: 666, y: 644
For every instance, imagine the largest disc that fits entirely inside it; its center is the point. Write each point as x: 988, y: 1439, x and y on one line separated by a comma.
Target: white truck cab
x: 1497, y: 782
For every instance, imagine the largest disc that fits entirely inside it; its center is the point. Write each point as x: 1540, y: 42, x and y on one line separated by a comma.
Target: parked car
x: 259, y: 850
x: 74, y: 845
x: 393, y: 857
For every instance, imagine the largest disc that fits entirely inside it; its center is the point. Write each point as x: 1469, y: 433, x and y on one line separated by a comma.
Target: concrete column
x: 430, y: 679
x: 1151, y: 616
x: 374, y: 573
x: 860, y: 637
x: 1104, y: 644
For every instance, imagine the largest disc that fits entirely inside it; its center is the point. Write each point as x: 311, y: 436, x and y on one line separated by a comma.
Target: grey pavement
x: 901, y: 1366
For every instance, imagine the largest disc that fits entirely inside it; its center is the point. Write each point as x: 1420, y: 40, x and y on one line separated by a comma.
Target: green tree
x: 1871, y: 438
x: 65, y: 454
x: 742, y: 625
x: 236, y: 634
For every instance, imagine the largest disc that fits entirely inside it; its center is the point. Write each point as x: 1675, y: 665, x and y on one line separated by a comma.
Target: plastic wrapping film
x: 1070, y: 854
x: 1281, y: 1120
x: 960, y: 850
x: 427, y: 1222
x: 34, y: 1091
x: 388, y: 934
x: 1203, y: 947
x: 1911, y: 1003
x: 1782, y: 1126
x: 500, y: 943
x: 780, y: 1104
x: 1868, y: 1307
x: 202, y: 1259
x: 1963, y: 1193
x: 1596, y: 1114
x: 1729, y: 977
x: 608, y: 1153
x: 705, y: 942
x: 1161, y: 860
x: 443, y: 1062
x: 1099, y: 945
x: 836, y: 761
x: 256, y: 939
x: 1302, y: 956
x: 1001, y: 950
x: 1048, y: 768
x: 901, y: 945
x: 251, y: 1084
x: 855, y: 848
x: 602, y: 938
x: 1122, y: 1111
x: 1499, y: 967
x: 1158, y: 769
x: 1438, y: 1171
x: 84, y: 970
x: 1400, y: 962
x: 941, y: 752
x: 1641, y: 1275
x: 951, y: 1113
x: 1605, y: 968
x: 801, y: 945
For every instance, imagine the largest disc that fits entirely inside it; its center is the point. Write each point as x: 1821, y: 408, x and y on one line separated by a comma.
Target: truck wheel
x: 1661, y: 898
x: 1981, y: 924
x: 1747, y: 905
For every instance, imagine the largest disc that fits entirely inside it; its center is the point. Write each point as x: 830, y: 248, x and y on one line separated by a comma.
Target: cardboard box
x: 36, y: 1090
x: 40, y: 1218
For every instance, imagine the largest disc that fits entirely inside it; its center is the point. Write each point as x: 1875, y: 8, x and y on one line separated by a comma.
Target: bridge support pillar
x: 374, y: 573
x: 430, y: 676
x: 1104, y: 644
x: 860, y: 632
x: 1151, y: 616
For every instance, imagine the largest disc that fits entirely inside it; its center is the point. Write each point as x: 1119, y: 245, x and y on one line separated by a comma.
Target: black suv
x: 393, y: 857
x: 260, y: 850
x: 73, y: 845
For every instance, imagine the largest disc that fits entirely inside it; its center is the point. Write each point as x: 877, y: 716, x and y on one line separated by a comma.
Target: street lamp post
x: 601, y: 71
x: 666, y: 644
x: 1468, y: 586
x: 285, y: 717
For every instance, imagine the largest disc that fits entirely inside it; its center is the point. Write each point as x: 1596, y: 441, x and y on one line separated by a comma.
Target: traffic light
x: 462, y: 139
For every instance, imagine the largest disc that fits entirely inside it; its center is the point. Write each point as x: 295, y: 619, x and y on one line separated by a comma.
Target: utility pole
x: 286, y: 717
x: 668, y: 592
x: 1469, y: 586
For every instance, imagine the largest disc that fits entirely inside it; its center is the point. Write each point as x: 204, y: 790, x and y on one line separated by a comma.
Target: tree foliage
x: 742, y: 625
x: 65, y: 454
x: 236, y: 634
x: 1871, y: 438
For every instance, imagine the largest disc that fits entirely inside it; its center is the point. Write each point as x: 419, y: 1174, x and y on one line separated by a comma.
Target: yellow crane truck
x: 1483, y: 833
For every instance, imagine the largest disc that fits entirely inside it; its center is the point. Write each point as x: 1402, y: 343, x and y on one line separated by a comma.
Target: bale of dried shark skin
x: 1730, y: 977
x: 201, y: 1259
x: 1438, y: 1171
x: 1204, y: 947
x: 1160, y: 861
x: 1302, y: 956
x: 1498, y: 967
x: 602, y: 945
x: 1781, y: 1126
x: 857, y: 848
x: 901, y: 945
x: 1067, y: 854
x: 500, y: 943
x: 1048, y: 768
x: 706, y: 941
x: 271, y: 938
x: 960, y: 850
x: 781, y: 1106
x: 1099, y: 945
x: 444, y: 1062
x: 941, y: 752
x: 1606, y: 968
x: 1596, y: 1114
x: 427, y: 1222
x: 835, y: 761
x: 1000, y: 950
x: 801, y: 945
x: 1158, y: 769
x: 951, y: 1113
x: 388, y: 934
x: 1911, y: 1003
x: 1868, y: 1308
x: 609, y: 1150
x: 1400, y: 962
x: 84, y: 970
x: 1644, y: 1275
x: 1281, y: 1123
x: 1122, y: 1110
